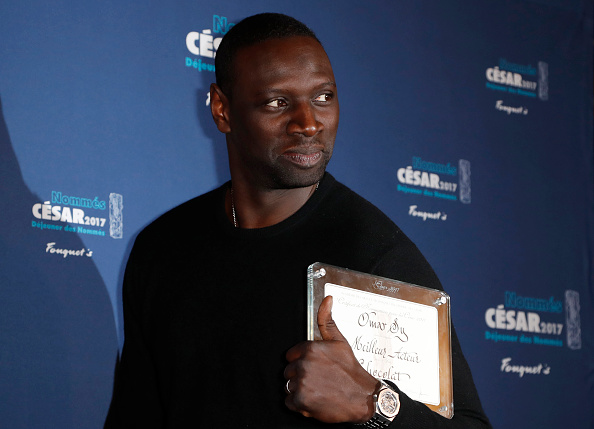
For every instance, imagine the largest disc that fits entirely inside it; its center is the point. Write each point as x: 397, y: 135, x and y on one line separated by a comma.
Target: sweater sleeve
x: 408, y: 265
x: 135, y: 401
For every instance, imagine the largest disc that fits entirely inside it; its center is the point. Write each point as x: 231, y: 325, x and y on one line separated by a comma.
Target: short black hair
x: 250, y: 31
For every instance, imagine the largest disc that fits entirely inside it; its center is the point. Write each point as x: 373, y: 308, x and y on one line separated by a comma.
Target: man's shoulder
x: 185, y: 219
x: 379, y: 245
x: 352, y: 207
x: 348, y: 218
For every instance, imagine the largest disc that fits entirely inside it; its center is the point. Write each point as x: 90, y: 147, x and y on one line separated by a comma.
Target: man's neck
x: 255, y: 208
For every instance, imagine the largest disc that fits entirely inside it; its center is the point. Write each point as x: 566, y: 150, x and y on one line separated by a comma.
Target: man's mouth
x: 304, y: 158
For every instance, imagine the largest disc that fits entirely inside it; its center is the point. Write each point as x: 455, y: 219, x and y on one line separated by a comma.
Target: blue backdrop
x: 469, y: 123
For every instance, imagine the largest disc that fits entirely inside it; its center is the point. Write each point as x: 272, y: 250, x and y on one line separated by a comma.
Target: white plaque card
x: 398, y: 331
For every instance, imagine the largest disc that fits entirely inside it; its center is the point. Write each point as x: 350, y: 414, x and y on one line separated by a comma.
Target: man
x: 211, y: 313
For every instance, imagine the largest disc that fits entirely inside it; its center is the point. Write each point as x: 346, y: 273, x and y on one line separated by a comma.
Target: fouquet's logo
x: 203, y: 44
x: 516, y: 110
x: 511, y: 367
x: 64, y: 253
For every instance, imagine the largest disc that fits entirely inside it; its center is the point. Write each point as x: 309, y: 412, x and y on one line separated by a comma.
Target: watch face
x: 388, y: 403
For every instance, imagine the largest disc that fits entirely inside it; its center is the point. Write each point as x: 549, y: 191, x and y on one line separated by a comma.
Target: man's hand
x: 325, y: 380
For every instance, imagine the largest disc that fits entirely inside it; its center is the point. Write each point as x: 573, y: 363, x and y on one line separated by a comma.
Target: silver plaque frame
x: 398, y: 331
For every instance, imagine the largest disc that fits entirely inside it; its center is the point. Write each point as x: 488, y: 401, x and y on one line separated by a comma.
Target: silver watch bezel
x: 384, y: 393
x: 382, y: 419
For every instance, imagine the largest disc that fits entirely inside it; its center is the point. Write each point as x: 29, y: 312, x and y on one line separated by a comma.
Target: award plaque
x: 398, y: 331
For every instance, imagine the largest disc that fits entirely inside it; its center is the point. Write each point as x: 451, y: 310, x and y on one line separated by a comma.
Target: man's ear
x: 219, y: 107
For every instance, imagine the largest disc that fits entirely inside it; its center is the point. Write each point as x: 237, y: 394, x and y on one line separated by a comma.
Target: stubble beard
x: 292, y: 178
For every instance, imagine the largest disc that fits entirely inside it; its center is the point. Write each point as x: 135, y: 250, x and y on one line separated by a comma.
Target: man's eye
x: 323, y: 98
x: 276, y: 103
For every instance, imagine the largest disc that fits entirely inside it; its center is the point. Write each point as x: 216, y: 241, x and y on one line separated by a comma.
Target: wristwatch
x: 387, y: 405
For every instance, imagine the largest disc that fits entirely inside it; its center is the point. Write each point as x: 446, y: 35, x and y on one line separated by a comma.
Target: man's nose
x: 304, y: 121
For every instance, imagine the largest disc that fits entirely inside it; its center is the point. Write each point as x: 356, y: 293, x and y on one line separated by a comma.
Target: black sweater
x: 210, y: 311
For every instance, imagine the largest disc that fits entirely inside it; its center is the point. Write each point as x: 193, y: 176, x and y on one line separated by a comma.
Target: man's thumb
x: 326, y: 324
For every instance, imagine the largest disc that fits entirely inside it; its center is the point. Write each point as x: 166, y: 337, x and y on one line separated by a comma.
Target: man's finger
x: 296, y: 351
x: 326, y: 324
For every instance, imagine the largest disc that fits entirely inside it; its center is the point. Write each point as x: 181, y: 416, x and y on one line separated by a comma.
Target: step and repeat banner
x: 468, y: 123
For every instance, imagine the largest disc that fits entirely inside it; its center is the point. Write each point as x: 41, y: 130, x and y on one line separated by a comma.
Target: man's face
x: 283, y: 114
